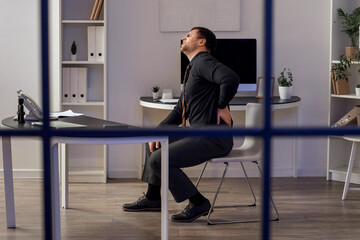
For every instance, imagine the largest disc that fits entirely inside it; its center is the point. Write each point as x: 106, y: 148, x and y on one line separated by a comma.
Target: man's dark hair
x: 209, y: 36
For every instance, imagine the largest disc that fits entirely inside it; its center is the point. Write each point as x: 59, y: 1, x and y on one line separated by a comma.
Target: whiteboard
x: 182, y: 15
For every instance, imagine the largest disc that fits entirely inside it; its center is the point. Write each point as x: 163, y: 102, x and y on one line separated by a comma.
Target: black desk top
x: 236, y: 100
x: 90, y: 122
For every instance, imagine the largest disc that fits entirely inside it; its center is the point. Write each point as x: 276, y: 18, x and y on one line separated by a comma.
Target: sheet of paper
x: 169, y: 100
x: 59, y: 124
x: 67, y: 113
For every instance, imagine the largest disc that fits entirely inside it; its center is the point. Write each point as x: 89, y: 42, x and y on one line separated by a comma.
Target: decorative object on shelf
x: 350, y: 25
x: 167, y: 94
x: 285, y: 84
x: 348, y: 117
x: 357, y: 90
x: 340, y: 76
x: 155, y: 92
x: 260, y: 87
x: 73, y: 51
x: 21, y: 112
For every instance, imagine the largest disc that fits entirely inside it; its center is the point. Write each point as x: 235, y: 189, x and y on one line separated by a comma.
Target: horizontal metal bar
x: 188, y: 132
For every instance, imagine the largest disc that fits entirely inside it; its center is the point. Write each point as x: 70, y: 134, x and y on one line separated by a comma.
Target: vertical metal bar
x: 267, y: 121
x: 164, y: 188
x: 8, y: 182
x: 55, y: 194
x: 48, y: 218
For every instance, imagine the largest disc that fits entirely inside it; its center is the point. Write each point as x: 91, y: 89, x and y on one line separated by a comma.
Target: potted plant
x: 285, y: 84
x: 155, y: 92
x: 340, y: 76
x: 73, y: 51
x: 350, y: 25
x: 357, y: 90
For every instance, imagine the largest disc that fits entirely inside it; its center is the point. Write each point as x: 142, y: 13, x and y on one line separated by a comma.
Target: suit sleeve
x: 227, y: 80
x: 175, y: 116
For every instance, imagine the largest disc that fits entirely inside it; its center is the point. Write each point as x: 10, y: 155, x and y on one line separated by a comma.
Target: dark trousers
x: 183, y: 152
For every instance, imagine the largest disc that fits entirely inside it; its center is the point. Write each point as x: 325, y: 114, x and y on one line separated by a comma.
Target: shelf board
x: 349, y: 96
x: 352, y: 62
x: 83, y: 104
x: 84, y: 21
x: 339, y: 174
x: 343, y: 170
x: 81, y: 62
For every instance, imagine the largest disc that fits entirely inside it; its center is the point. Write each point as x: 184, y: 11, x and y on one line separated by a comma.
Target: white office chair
x: 249, y: 151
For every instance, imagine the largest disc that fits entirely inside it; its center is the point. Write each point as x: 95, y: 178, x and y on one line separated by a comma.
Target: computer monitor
x: 237, y: 54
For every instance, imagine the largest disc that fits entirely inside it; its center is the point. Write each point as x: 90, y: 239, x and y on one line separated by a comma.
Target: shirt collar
x: 196, y: 56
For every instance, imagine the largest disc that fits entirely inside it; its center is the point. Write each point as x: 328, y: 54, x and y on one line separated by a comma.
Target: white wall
x: 20, y: 69
x: 302, y: 43
x: 140, y: 56
x: 144, y: 57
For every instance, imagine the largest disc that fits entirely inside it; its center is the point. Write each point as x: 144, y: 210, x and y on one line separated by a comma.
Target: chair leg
x: 271, y: 200
x: 216, y: 194
x: 202, y: 172
x: 248, y: 181
x: 210, y: 222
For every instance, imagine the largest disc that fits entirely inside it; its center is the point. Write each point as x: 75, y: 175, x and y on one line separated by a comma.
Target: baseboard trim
x: 216, y: 171
x: 96, y: 175
x: 80, y: 175
x: 25, y: 173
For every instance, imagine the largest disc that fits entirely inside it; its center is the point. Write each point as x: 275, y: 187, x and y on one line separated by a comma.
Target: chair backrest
x: 253, y: 119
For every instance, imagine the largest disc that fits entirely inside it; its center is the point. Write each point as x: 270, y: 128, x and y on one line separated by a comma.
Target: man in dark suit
x: 208, y: 88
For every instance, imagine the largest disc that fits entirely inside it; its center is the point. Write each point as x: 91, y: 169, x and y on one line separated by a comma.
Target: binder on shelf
x: 66, y: 84
x: 333, y: 80
x: 74, y: 85
x: 92, y: 16
x: 91, y: 43
x: 340, y: 86
x: 82, y: 81
x: 96, y: 43
x: 98, y: 9
x: 99, y: 43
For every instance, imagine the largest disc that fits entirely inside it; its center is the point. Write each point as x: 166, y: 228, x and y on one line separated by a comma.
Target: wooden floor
x: 310, y: 208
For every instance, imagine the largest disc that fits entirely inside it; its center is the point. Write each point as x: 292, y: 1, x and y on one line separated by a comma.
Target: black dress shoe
x: 143, y: 204
x: 192, y: 212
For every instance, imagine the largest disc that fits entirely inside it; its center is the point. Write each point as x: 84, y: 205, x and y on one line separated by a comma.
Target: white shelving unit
x: 338, y: 148
x: 87, y: 163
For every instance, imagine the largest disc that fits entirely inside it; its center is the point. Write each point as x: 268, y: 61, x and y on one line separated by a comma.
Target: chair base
x: 211, y: 222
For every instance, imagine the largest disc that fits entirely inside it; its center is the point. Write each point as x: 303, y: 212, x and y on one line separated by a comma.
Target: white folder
x: 66, y: 84
x: 99, y: 48
x: 82, y: 85
x: 74, y: 86
x: 91, y: 43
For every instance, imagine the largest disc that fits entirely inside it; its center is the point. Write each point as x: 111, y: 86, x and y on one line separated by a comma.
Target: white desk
x: 8, y: 177
x: 239, y: 104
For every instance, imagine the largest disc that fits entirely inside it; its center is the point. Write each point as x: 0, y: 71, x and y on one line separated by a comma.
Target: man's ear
x: 202, y: 42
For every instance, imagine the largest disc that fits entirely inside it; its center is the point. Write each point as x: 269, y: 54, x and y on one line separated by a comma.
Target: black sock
x: 153, y: 192
x: 197, y: 199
